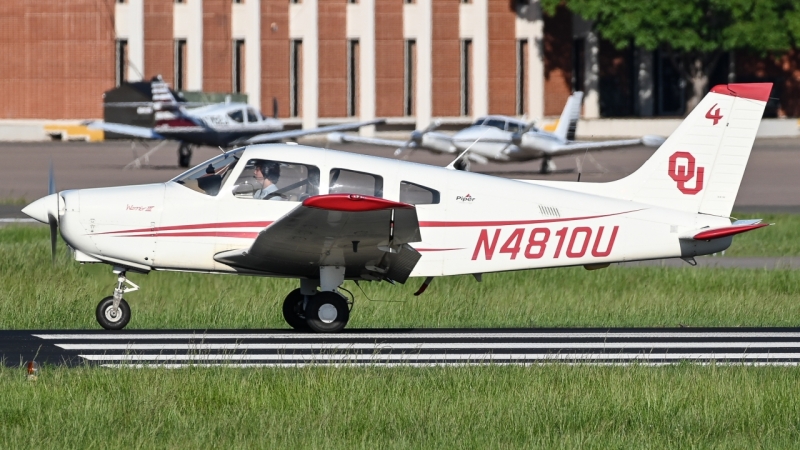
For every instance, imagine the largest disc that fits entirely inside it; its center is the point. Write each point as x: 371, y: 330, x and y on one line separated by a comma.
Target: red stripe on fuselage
x: 195, y: 227
x: 228, y: 234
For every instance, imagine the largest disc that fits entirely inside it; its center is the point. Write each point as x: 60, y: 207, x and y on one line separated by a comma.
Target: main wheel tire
x: 108, y: 319
x: 293, y: 310
x: 327, y: 312
x: 184, y: 155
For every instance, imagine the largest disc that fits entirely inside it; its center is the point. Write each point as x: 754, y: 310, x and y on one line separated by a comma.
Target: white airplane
x: 217, y: 125
x: 504, y: 139
x: 323, y: 217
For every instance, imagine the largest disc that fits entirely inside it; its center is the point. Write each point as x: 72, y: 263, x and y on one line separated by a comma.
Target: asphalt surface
x: 281, y: 348
x: 771, y: 182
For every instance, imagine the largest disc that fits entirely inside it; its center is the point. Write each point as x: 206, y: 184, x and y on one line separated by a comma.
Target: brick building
x: 334, y: 60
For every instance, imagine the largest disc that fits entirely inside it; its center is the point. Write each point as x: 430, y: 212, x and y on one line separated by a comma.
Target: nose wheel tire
x: 110, y: 319
x: 293, y: 310
x: 327, y: 312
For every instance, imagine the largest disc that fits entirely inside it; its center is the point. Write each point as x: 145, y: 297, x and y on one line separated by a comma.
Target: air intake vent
x: 550, y: 211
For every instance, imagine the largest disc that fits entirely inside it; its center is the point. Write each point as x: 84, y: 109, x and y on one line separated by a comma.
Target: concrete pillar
x: 194, y: 44
x: 474, y: 24
x: 418, y: 25
x: 252, y: 53
x: 129, y: 24
x: 644, y: 83
x: 530, y: 26
x: 304, y: 24
x: 361, y: 25
x: 591, y: 83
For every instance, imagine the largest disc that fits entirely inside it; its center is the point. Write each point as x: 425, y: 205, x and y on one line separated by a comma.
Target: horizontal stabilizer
x: 740, y: 226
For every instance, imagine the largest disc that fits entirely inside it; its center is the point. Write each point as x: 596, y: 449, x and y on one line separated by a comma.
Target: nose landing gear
x: 113, y: 312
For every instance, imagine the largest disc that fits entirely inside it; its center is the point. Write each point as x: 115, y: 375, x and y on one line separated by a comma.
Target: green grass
x: 554, y: 406
x: 36, y: 295
x: 782, y: 239
x: 550, y: 406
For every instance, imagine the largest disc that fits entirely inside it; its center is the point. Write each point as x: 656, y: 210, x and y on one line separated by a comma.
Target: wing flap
x: 366, y: 235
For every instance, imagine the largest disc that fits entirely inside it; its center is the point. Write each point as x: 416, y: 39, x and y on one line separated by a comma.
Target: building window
x: 522, y: 76
x: 410, y: 78
x: 294, y: 1
x: 296, y: 78
x: 409, y: 2
x: 353, y: 53
x: 466, y: 77
x: 180, y: 64
x: 238, y: 66
x: 122, y: 60
x: 238, y: 1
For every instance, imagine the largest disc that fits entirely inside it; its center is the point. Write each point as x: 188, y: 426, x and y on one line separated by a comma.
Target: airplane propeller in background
x: 416, y: 138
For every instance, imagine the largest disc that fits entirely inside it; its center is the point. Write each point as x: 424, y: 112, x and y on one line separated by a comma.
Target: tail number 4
x: 576, y: 245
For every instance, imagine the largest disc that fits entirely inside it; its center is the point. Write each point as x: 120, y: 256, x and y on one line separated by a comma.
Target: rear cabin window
x: 264, y: 179
x: 416, y: 194
x: 345, y: 181
x: 252, y: 117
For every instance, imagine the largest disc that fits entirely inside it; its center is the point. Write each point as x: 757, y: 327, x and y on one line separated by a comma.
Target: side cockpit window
x: 416, y: 194
x: 237, y: 115
x: 345, y: 181
x: 207, y: 178
x: 264, y: 179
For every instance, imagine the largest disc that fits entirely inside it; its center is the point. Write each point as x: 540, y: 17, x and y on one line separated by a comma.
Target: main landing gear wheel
x: 184, y: 155
x: 293, y: 310
x: 112, y: 318
x: 327, y: 312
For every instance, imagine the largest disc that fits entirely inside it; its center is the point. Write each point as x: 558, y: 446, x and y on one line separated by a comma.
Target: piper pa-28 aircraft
x: 323, y: 216
x: 504, y: 139
x: 218, y: 125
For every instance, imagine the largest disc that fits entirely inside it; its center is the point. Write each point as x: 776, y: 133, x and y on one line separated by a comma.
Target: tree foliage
x: 694, y: 33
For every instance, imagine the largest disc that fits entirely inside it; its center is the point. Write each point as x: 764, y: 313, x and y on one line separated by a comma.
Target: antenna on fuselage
x: 452, y: 165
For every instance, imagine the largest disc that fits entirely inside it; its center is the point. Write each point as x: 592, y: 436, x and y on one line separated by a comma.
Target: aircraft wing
x: 579, y: 146
x: 292, y: 134
x: 339, y: 138
x: 130, y: 130
x: 369, y: 236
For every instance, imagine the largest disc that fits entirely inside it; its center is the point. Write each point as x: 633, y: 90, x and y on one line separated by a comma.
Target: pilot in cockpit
x: 267, y: 174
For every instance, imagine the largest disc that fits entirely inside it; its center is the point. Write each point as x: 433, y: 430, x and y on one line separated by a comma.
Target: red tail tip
x: 753, y: 91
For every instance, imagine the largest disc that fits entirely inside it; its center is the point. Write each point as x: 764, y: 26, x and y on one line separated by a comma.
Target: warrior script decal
x: 139, y: 208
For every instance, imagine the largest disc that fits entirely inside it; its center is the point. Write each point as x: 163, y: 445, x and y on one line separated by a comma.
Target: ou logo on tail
x: 683, y: 173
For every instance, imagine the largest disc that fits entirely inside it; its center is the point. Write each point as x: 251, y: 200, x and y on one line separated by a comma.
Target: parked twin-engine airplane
x: 504, y: 139
x: 217, y: 125
x: 324, y: 217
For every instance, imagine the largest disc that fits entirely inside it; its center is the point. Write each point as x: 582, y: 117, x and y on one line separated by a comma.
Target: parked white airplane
x: 504, y: 139
x: 323, y: 216
x: 217, y: 125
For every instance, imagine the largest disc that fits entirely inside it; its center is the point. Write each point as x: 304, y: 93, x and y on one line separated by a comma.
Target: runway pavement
x: 440, y: 347
x: 771, y: 182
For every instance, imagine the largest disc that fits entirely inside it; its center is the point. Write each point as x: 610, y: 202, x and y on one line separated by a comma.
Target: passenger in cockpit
x: 267, y: 174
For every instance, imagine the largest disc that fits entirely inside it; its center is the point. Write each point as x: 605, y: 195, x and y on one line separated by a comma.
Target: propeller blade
x: 51, y: 187
x: 53, y: 236
x: 274, y: 107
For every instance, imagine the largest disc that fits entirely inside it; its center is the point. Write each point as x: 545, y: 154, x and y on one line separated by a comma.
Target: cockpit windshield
x: 490, y: 122
x: 479, y: 121
x: 208, y: 177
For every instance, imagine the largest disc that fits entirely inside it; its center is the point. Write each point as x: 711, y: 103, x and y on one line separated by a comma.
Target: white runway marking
x: 455, y: 335
x: 438, y: 348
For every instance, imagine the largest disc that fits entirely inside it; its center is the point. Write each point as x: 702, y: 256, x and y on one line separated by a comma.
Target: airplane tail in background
x: 169, y: 111
x: 569, y: 118
x: 700, y: 166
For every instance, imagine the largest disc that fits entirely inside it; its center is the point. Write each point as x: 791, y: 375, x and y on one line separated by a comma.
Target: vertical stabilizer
x: 700, y: 166
x: 565, y: 131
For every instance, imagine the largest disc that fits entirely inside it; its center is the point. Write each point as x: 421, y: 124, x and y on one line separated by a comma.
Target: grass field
x: 551, y: 406
x: 36, y: 295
